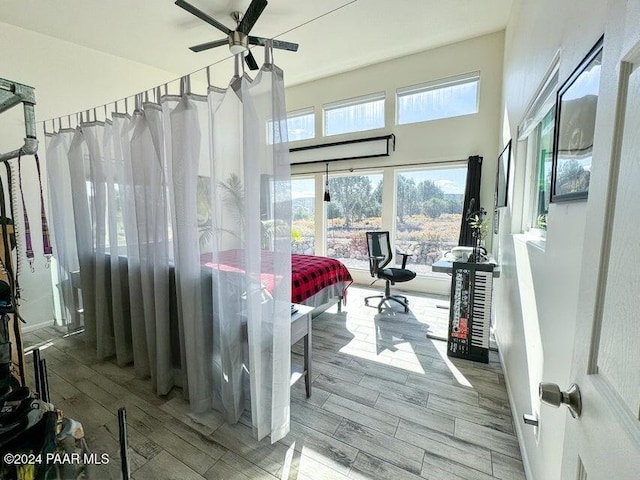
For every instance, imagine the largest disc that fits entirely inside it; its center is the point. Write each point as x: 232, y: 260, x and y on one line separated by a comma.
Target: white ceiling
x: 357, y: 33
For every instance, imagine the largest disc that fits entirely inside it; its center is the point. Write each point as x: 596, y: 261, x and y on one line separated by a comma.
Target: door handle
x: 551, y: 394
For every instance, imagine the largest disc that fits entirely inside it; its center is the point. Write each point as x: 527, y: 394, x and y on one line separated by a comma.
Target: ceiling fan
x: 238, y: 39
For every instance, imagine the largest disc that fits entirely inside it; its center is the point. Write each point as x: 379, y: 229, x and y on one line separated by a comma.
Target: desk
x: 446, y: 266
x: 301, y: 328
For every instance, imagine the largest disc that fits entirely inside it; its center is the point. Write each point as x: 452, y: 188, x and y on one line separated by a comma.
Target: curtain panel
x: 64, y: 237
x: 155, y: 201
x: 471, y: 199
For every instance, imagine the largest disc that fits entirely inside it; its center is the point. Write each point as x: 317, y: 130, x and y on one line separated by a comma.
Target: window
x: 543, y: 153
x: 428, y: 213
x: 303, y: 216
x: 354, y: 115
x: 355, y: 208
x: 204, y: 213
x: 536, y: 133
x: 301, y: 124
x: 118, y: 199
x: 451, y: 97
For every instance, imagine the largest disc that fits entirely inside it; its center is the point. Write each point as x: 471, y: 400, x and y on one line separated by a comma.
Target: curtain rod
x: 69, y: 115
x: 356, y: 169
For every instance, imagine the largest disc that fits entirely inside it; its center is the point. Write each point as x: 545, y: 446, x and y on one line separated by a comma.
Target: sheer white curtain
x: 123, y: 129
x: 101, y: 325
x: 64, y: 231
x: 268, y: 247
x: 182, y: 216
x: 151, y: 206
x: 116, y: 266
x: 82, y: 201
x: 229, y: 217
x: 189, y: 150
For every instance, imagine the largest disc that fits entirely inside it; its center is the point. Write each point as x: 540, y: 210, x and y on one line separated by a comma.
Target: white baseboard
x: 30, y: 327
x: 516, y: 421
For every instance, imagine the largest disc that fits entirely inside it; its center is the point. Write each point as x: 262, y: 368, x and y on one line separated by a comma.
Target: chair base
x: 401, y: 299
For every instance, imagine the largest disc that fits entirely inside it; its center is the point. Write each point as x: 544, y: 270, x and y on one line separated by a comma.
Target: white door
x: 604, y: 443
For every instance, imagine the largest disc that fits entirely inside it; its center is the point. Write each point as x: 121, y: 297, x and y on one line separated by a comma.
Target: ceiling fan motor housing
x: 238, y: 42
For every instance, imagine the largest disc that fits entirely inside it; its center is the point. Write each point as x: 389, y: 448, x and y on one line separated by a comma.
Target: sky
x: 587, y: 83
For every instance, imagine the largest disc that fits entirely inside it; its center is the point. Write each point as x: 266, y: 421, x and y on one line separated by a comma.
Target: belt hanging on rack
x: 46, y: 241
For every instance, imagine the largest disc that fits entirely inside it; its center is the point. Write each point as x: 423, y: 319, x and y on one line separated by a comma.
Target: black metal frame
x: 124, y: 443
x: 41, y: 376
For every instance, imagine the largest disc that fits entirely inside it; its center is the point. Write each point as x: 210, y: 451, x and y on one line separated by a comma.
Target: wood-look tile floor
x: 387, y: 403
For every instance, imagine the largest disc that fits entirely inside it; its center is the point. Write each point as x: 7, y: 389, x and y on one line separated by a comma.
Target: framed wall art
x: 576, y: 105
x: 502, y: 180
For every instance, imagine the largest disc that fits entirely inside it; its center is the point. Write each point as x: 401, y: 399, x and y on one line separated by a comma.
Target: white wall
x: 537, y: 296
x: 419, y: 143
x: 66, y: 78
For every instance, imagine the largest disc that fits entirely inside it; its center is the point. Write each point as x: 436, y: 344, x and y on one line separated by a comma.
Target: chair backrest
x: 378, y: 245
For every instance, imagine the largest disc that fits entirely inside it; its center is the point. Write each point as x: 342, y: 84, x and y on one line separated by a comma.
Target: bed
x: 315, y: 281
x: 217, y: 336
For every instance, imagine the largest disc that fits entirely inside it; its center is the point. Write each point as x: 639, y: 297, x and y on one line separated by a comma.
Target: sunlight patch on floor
x: 457, y: 374
x: 288, y: 461
x: 313, y: 464
x: 402, y: 355
x: 413, y: 367
x: 41, y: 346
x: 71, y: 334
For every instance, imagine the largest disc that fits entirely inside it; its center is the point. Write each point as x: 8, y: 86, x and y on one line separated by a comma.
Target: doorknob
x: 551, y: 394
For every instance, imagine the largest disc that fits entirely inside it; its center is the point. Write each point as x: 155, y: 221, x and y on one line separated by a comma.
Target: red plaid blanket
x: 309, y: 274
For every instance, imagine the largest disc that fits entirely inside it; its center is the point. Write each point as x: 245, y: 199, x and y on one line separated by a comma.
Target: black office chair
x: 379, y: 248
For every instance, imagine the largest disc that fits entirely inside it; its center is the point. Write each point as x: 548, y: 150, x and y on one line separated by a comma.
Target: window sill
x: 532, y: 239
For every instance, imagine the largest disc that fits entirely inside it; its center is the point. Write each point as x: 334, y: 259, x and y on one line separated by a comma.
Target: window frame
x: 438, y: 84
x: 541, y: 105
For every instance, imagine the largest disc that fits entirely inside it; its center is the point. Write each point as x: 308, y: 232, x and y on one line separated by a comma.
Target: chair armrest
x: 404, y: 259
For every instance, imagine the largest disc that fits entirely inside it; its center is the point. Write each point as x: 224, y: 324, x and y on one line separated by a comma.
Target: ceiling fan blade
x: 251, y: 16
x: 251, y: 61
x: 202, y: 16
x: 276, y: 43
x: 208, y: 45
x: 293, y: 47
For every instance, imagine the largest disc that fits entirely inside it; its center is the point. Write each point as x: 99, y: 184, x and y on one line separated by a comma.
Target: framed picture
x: 575, y: 121
x: 502, y: 181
